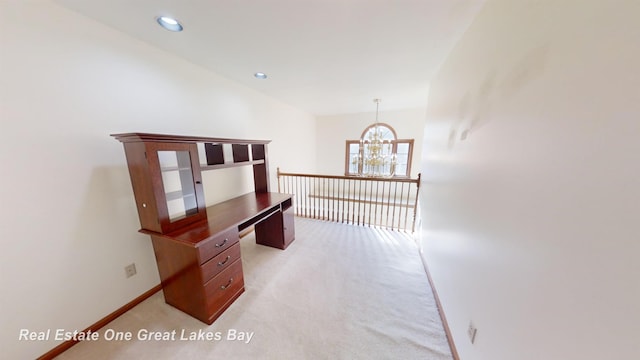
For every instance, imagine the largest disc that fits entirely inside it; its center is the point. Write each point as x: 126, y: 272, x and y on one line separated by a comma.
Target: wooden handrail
x: 383, y: 202
x: 391, y: 179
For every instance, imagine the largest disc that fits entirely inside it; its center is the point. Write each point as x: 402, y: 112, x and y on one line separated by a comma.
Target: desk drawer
x: 222, y: 288
x: 217, y: 244
x: 220, y: 262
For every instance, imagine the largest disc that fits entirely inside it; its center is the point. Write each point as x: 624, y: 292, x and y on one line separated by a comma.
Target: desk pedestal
x: 277, y: 230
x: 201, y: 266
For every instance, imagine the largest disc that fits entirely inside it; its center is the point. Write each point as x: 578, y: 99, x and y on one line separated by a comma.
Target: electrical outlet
x: 471, y: 331
x: 130, y: 270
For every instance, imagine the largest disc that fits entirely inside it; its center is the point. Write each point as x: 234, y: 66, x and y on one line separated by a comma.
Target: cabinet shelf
x: 177, y: 195
x: 174, y: 168
x: 230, y: 165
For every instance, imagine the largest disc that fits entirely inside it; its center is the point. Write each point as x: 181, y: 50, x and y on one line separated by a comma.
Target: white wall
x: 530, y: 225
x: 68, y: 221
x: 333, y: 131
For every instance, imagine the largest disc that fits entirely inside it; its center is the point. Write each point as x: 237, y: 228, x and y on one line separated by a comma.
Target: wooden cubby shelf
x: 230, y: 165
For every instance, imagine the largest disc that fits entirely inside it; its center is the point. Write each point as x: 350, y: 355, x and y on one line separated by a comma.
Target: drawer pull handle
x: 224, y: 287
x: 222, y: 244
x: 225, y: 261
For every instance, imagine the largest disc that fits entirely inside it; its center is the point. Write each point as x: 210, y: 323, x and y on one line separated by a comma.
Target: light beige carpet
x: 338, y: 292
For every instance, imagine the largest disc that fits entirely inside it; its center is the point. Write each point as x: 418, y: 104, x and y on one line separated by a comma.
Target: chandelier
x: 376, y: 157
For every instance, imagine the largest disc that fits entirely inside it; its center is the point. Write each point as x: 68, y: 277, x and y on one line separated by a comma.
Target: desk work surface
x: 226, y: 214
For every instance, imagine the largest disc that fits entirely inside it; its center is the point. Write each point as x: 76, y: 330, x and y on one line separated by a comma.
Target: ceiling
x: 325, y: 57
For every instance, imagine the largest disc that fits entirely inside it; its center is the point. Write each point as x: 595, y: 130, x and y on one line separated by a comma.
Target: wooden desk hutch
x: 197, y: 247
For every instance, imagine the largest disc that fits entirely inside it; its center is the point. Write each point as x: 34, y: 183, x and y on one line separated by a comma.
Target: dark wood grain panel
x: 214, y: 153
x: 220, y: 262
x: 180, y: 274
x: 142, y: 184
x: 261, y: 178
x: 258, y: 152
x: 138, y: 137
x: 230, y: 213
x: 240, y: 152
x: 269, y: 232
x: 223, y: 289
x: 217, y: 244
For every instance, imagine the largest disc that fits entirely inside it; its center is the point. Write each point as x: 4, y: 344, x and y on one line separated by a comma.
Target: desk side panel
x: 142, y: 185
x: 288, y: 222
x: 179, y: 268
x: 269, y: 232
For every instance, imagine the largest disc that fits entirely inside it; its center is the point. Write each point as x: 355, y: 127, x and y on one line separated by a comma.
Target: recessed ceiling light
x: 168, y: 23
x: 260, y: 75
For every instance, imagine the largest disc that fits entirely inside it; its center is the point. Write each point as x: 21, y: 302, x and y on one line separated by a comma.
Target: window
x: 357, y: 150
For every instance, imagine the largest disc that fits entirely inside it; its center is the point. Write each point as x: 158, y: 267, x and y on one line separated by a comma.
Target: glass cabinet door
x: 178, y: 184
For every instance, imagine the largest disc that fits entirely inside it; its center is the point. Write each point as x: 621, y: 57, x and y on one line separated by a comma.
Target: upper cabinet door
x: 177, y: 184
